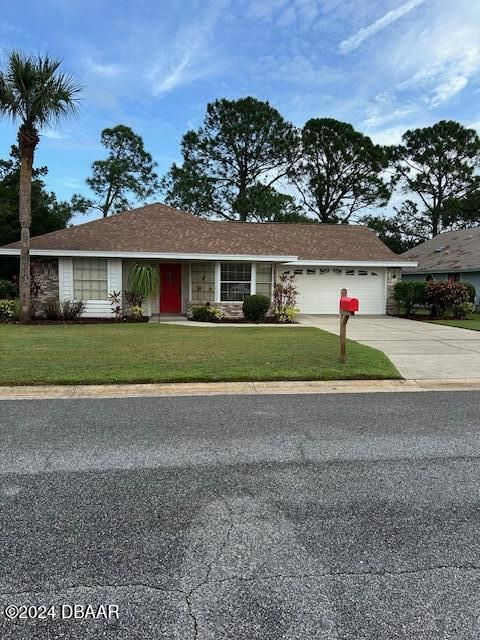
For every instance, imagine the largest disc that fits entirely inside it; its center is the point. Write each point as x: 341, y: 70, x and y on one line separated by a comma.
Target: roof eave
x: 353, y: 263
x: 147, y: 255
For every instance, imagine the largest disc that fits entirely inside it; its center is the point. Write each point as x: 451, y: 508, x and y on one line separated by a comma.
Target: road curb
x: 65, y: 392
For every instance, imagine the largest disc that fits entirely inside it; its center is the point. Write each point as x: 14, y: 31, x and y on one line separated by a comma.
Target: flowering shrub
x: 442, y: 295
x: 7, y: 310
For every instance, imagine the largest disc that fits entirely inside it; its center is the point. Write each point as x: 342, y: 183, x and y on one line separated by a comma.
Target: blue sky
x: 383, y: 65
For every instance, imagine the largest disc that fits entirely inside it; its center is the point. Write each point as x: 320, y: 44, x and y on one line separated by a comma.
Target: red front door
x: 170, y: 288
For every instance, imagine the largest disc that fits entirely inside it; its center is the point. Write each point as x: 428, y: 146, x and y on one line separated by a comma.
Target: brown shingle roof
x: 450, y: 251
x: 318, y: 241
x: 158, y: 228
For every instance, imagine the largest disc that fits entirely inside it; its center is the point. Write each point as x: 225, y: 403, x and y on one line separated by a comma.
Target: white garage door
x: 319, y: 288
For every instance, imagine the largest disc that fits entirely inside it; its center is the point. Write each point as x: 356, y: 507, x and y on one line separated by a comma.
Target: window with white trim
x: 264, y: 279
x: 90, y: 279
x: 235, y: 281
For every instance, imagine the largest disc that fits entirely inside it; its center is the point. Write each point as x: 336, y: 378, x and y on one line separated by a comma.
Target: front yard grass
x: 472, y: 322
x: 100, y: 354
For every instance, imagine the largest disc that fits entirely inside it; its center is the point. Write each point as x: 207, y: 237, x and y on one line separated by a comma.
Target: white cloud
x: 109, y: 70
x: 53, y: 134
x: 367, y: 32
x: 192, y: 53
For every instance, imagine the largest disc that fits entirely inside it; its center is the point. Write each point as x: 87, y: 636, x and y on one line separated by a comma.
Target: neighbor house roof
x: 452, y: 251
x: 158, y: 229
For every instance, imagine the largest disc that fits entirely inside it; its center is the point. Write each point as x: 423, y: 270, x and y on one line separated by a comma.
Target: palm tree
x: 34, y: 93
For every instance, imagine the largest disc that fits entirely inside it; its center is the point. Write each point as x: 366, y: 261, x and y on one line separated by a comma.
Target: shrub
x: 134, y: 304
x: 463, y: 310
x: 72, y: 309
x: 472, y: 292
x: 52, y: 309
x: 255, y: 307
x: 442, y: 295
x: 408, y: 293
x: 115, y: 299
x: 8, y: 290
x: 285, y: 298
x: 7, y: 311
x: 206, y: 314
x: 287, y: 315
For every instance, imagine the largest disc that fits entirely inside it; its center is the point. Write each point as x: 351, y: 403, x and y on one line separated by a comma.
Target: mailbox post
x: 347, y: 308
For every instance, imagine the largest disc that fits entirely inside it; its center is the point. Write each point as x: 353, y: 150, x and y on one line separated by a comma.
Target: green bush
x: 463, y: 310
x: 72, y: 309
x: 7, y: 310
x: 8, y: 290
x: 472, y: 292
x: 408, y: 293
x: 255, y: 307
x: 442, y: 295
x: 206, y: 314
x: 52, y: 309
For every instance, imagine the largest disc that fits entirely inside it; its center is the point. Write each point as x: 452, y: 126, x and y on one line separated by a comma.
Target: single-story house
x: 453, y: 255
x: 217, y: 262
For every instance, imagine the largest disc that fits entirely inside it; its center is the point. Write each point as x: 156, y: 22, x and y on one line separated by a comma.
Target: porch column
x: 217, y: 281
x: 253, y: 283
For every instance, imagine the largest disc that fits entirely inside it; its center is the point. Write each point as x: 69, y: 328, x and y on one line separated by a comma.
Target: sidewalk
x: 234, y: 388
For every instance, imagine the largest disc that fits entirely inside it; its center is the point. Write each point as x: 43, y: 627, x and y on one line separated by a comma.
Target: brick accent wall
x: 230, y: 310
x: 45, y: 271
x: 393, y: 276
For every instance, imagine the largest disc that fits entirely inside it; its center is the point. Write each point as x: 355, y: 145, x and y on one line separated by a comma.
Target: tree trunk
x: 28, y: 140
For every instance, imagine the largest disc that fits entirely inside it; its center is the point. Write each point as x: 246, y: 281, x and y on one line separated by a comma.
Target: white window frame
x: 252, y: 282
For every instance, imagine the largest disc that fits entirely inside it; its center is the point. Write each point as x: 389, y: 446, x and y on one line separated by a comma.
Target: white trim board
x: 57, y: 253
x: 347, y: 263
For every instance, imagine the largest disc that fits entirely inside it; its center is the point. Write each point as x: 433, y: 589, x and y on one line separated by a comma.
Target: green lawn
x: 473, y: 322
x: 96, y: 354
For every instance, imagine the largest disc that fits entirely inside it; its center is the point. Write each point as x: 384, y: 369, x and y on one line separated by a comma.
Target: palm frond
x: 144, y: 280
x: 33, y: 90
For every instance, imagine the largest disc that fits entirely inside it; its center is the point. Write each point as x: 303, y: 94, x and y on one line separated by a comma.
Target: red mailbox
x: 348, y: 304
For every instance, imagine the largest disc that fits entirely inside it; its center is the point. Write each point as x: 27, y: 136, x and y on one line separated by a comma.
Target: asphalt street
x: 243, y: 517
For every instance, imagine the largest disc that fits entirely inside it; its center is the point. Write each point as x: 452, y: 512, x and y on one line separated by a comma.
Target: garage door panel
x: 319, y: 289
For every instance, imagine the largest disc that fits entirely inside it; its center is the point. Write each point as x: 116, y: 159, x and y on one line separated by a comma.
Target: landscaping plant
x: 285, y: 298
x: 144, y: 280
x: 206, y: 314
x: 408, y: 294
x: 8, y: 291
x: 72, y: 309
x: 255, y: 307
x: 7, y: 310
x: 442, y: 295
x: 52, y: 309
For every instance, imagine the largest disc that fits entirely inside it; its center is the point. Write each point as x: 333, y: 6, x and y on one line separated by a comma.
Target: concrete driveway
x: 419, y: 350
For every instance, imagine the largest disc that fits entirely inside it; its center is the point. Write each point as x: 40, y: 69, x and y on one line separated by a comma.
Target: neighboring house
x: 205, y: 261
x: 453, y: 255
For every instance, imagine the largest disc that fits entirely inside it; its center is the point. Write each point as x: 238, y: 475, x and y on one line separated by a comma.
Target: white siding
x: 94, y: 308
x: 65, y: 279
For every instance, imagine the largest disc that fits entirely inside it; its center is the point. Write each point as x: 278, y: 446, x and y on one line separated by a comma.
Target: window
x: 235, y: 281
x: 298, y: 272
x: 323, y: 271
x: 374, y: 273
x: 264, y: 279
x: 311, y: 272
x: 350, y: 272
x: 203, y: 282
x: 361, y: 272
x: 90, y: 279
x: 337, y: 272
